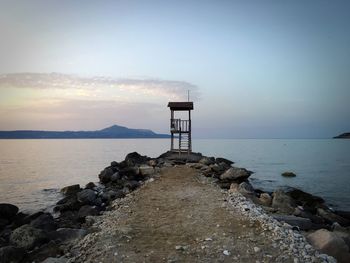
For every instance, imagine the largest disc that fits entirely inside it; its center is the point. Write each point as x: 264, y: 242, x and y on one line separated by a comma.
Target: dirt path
x: 176, y: 218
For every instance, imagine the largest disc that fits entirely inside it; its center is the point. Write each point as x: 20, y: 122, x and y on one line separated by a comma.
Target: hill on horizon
x: 114, y: 131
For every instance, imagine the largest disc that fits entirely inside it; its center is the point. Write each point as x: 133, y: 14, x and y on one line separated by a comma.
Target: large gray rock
x: 87, y: 197
x: 207, y: 160
x: 111, y: 195
x: 246, y: 189
x: 332, y: 217
x: 45, y: 222
x: 223, y: 160
x: 106, y: 174
x: 331, y: 244
x: 11, y: 254
x: 283, y: 202
x: 68, y: 203
x: 235, y: 174
x: 27, y: 237
x: 135, y: 158
x: 67, y: 234
x: 71, y: 189
x: 87, y: 210
x: 146, y: 170
x: 8, y: 211
x: 302, y: 223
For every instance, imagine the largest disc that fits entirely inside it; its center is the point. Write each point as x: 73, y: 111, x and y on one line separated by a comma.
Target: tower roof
x: 188, y: 105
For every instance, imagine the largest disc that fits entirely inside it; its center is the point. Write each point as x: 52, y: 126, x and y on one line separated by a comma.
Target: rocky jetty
x: 297, y: 217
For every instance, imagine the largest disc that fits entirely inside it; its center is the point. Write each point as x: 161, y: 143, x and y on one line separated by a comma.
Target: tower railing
x: 178, y: 125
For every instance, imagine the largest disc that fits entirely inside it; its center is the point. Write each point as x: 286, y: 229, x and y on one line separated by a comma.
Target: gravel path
x: 180, y: 217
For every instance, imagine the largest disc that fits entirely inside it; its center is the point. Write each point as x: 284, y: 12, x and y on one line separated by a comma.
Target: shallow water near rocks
x: 33, y: 171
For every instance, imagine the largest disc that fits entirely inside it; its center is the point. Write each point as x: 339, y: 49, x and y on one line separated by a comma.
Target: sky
x: 255, y: 69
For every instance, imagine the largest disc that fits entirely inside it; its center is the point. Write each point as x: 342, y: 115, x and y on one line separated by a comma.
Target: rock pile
x: 43, y: 237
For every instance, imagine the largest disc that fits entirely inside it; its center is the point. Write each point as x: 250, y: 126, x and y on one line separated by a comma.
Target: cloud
x: 170, y: 89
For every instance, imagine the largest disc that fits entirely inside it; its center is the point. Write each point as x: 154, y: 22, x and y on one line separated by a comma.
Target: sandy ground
x: 179, y: 217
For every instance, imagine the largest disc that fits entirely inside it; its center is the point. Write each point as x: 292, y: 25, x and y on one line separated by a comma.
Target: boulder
x: 68, y: 203
x: 307, y: 201
x: 111, y: 195
x: 207, y: 160
x: 105, y: 175
x: 135, y: 158
x: 129, y: 172
x: 44, y: 222
x: 132, y: 185
x: 246, y: 189
x: 90, y: 185
x: 235, y: 174
x: 223, y: 160
x: 115, y: 177
x: 68, y: 219
x: 288, y: 174
x: 27, y: 237
x: 11, y: 254
x: 146, y: 170
x: 283, y: 202
x: 329, y: 243
x: 87, y: 197
x: 265, y: 199
x: 331, y: 217
x: 50, y: 249
x: 87, y: 210
x: 71, y: 189
x: 8, y: 211
x: 67, y: 234
x: 224, y: 184
x: 234, y: 187
x: 302, y: 223
x: 152, y: 162
x: 219, y: 168
x: 114, y: 164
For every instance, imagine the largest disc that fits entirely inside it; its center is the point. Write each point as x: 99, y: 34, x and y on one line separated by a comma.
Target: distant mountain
x: 345, y: 135
x: 114, y: 131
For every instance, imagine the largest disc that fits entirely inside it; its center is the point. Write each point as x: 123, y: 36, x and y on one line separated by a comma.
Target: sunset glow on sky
x: 255, y: 69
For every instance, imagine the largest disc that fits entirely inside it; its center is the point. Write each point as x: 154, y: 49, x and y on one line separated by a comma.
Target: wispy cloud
x: 171, y: 89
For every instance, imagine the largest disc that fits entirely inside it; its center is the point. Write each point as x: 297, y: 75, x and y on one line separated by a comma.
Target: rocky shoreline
x: 296, y: 218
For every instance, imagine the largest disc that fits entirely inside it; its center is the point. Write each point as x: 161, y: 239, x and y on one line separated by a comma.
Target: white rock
x: 226, y: 252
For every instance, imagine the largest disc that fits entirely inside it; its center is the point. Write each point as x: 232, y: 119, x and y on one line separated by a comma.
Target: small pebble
x: 226, y: 252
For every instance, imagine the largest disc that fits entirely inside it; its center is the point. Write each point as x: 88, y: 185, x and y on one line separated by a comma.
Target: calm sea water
x: 33, y: 171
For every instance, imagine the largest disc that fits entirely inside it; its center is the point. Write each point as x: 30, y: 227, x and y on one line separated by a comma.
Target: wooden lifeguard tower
x: 181, y: 128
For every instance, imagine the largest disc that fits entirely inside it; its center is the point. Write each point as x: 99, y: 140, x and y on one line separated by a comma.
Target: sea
x: 33, y: 171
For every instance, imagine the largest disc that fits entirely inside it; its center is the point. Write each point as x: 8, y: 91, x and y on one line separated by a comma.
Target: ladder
x: 184, y: 142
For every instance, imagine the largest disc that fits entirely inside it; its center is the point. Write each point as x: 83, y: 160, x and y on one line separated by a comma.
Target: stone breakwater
x: 43, y: 237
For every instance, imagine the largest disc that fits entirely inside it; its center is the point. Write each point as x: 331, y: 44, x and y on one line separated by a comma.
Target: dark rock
x: 27, y: 237
x: 50, y: 249
x: 115, y: 177
x: 105, y: 175
x: 224, y: 185
x: 71, y: 189
x: 129, y: 172
x: 223, y: 160
x: 132, y: 185
x: 11, y: 254
x: 111, y: 195
x: 288, y: 174
x: 68, y: 203
x: 235, y: 174
x: 308, y: 201
x: 331, y: 244
x: 135, y: 158
x: 68, y: 219
x: 19, y: 220
x: 343, y: 214
x: 114, y: 164
x: 314, y: 218
x: 67, y: 234
x: 87, y: 210
x: 207, y: 160
x: 246, y: 189
x: 283, y: 202
x: 90, y: 185
x: 300, y: 222
x: 331, y: 217
x: 219, y: 168
x: 8, y: 211
x: 87, y: 197
x: 45, y: 222
x: 3, y: 223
